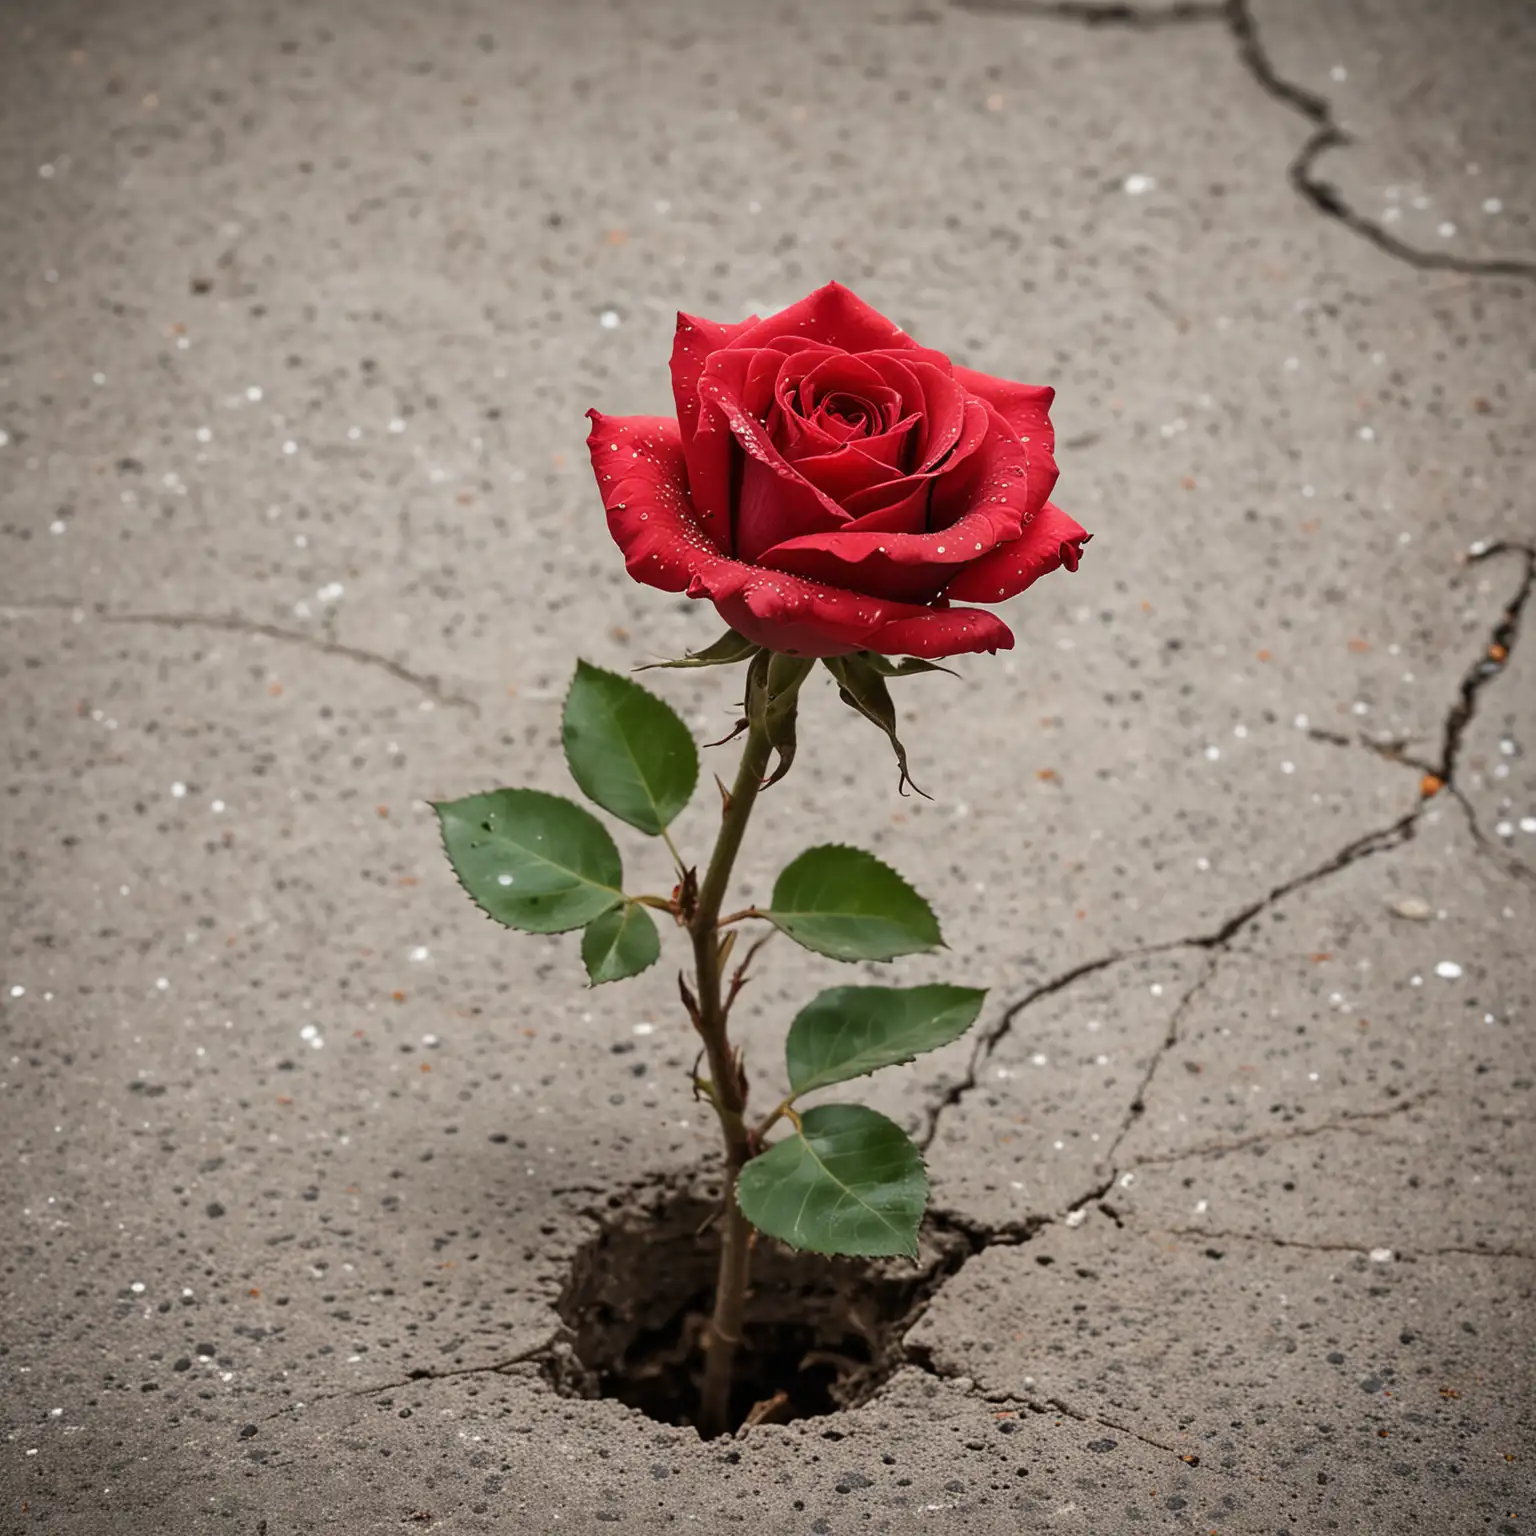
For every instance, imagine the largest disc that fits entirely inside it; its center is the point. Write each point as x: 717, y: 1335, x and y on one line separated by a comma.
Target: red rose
x: 831, y: 486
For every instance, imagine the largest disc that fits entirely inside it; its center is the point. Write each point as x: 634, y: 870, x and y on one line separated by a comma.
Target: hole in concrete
x: 826, y: 1333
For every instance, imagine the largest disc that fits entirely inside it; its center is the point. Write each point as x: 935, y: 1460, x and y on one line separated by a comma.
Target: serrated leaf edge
x: 607, y: 981
x: 661, y: 825
x: 474, y: 901
x: 922, y: 1162
x: 901, y: 1061
x: 854, y: 848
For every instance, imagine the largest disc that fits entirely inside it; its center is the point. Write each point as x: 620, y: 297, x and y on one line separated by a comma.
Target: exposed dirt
x: 821, y: 1334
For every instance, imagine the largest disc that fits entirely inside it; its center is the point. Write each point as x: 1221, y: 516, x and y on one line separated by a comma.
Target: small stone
x: 1414, y: 908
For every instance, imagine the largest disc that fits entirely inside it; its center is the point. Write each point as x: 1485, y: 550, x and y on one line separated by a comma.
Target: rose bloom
x: 832, y: 487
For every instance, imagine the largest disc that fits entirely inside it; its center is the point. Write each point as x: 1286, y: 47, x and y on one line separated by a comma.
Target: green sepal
x: 909, y: 666
x: 773, y: 702
x: 726, y: 651
x: 861, y: 687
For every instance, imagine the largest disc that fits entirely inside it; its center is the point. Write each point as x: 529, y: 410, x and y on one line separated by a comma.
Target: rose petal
x: 797, y: 358
x: 912, y: 493
x: 845, y: 471
x: 643, y: 480
x: 641, y: 474
x: 791, y: 620
x: 842, y: 374
x: 1049, y: 539
x: 893, y: 447
x: 907, y: 512
x: 946, y: 414
x: 911, y: 568
x: 928, y: 391
x: 727, y: 457
x: 772, y: 506
x: 936, y: 632
x: 1025, y: 407
x: 1002, y: 470
x: 833, y: 315
x: 692, y: 342
x: 804, y: 618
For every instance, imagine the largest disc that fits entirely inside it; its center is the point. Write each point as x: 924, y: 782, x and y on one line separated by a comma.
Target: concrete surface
x: 300, y: 308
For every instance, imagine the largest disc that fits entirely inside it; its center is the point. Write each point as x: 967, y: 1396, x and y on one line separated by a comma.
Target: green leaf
x: 729, y: 648
x: 530, y: 860
x: 848, y: 1181
x: 850, y: 1031
x: 627, y: 749
x: 845, y: 903
x: 620, y: 943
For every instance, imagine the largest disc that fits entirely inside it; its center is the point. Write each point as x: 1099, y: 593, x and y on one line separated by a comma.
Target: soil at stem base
x: 820, y: 1334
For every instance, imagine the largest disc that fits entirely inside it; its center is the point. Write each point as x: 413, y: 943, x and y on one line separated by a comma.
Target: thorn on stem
x: 739, y: 976
x: 690, y: 1002
x: 730, y: 735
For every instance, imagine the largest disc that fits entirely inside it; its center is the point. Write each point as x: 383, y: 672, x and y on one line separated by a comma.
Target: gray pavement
x: 300, y: 309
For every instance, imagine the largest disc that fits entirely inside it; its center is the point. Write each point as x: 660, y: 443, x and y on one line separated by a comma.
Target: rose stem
x: 729, y: 1088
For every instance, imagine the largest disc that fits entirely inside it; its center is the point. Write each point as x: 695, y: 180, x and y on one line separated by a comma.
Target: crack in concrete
x: 1060, y: 1405
x: 1378, y: 841
x: 1395, y: 751
x: 1496, y: 653
x: 1492, y: 664
x: 987, y: 1041
x: 1382, y: 840
x: 921, y: 1356
x: 235, y: 624
x: 1505, y: 861
x: 527, y: 1356
x: 1494, y: 659
x: 1486, y: 669
x: 1087, y: 14
x: 1352, y: 1123
x: 979, y: 1236
x: 1406, y: 1255
x: 1170, y: 1040
x: 1326, y: 135
x: 38, y: 605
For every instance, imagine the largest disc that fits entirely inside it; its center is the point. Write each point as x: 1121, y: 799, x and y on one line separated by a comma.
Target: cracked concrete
x: 300, y: 313
x: 1474, y: 53
x: 1364, y: 1388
